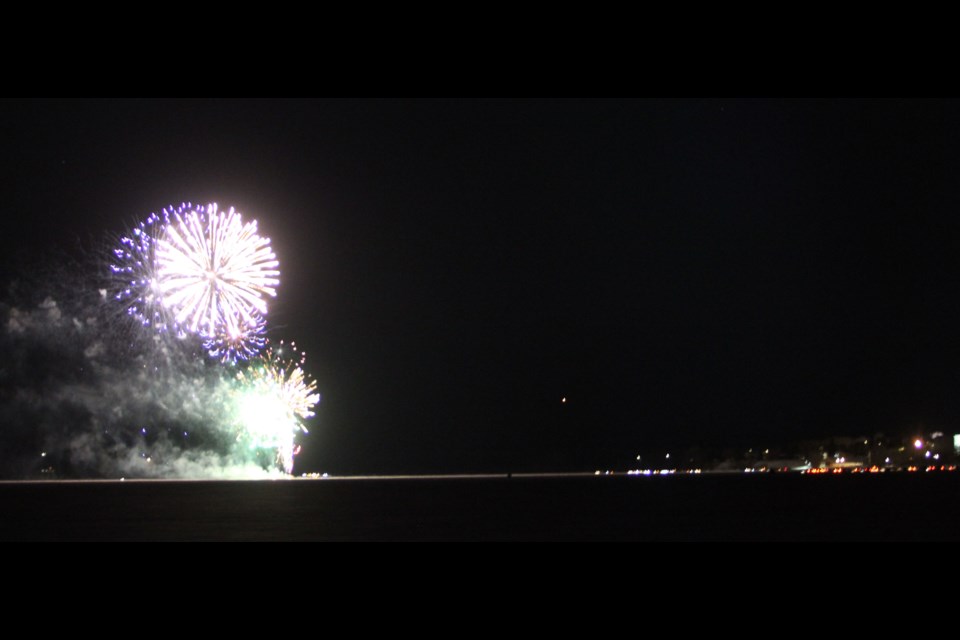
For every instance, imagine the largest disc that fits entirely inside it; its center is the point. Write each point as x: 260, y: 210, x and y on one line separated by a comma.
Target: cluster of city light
x: 805, y: 470
x: 877, y: 469
x: 661, y: 472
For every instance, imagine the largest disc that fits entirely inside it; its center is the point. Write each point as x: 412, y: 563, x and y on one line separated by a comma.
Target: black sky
x: 683, y: 271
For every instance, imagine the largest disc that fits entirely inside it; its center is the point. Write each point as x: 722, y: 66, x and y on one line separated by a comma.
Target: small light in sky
x: 563, y: 400
x: 918, y: 443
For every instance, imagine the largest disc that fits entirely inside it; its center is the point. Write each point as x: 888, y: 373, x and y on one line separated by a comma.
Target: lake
x: 901, y: 506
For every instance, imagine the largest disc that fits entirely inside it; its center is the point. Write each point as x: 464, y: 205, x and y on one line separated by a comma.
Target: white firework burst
x: 214, y: 272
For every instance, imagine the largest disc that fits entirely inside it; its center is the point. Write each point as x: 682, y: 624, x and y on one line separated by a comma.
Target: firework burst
x: 214, y: 271
x: 275, y: 396
x: 202, y: 272
x: 197, y: 270
x: 247, y: 343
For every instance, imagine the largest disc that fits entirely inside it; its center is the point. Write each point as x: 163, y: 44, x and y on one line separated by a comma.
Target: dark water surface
x: 708, y: 507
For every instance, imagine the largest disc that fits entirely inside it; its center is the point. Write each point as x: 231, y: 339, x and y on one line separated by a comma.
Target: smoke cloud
x: 87, y: 392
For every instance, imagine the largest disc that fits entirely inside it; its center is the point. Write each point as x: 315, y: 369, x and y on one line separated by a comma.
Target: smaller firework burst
x: 274, y: 398
x: 241, y: 343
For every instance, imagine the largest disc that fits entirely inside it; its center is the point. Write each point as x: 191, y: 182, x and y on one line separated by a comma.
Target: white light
x: 266, y: 418
x: 887, y: 460
x: 668, y: 456
x: 936, y: 456
x: 918, y: 443
x: 926, y: 455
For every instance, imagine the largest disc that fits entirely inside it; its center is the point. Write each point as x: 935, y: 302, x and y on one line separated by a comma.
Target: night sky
x: 683, y: 272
